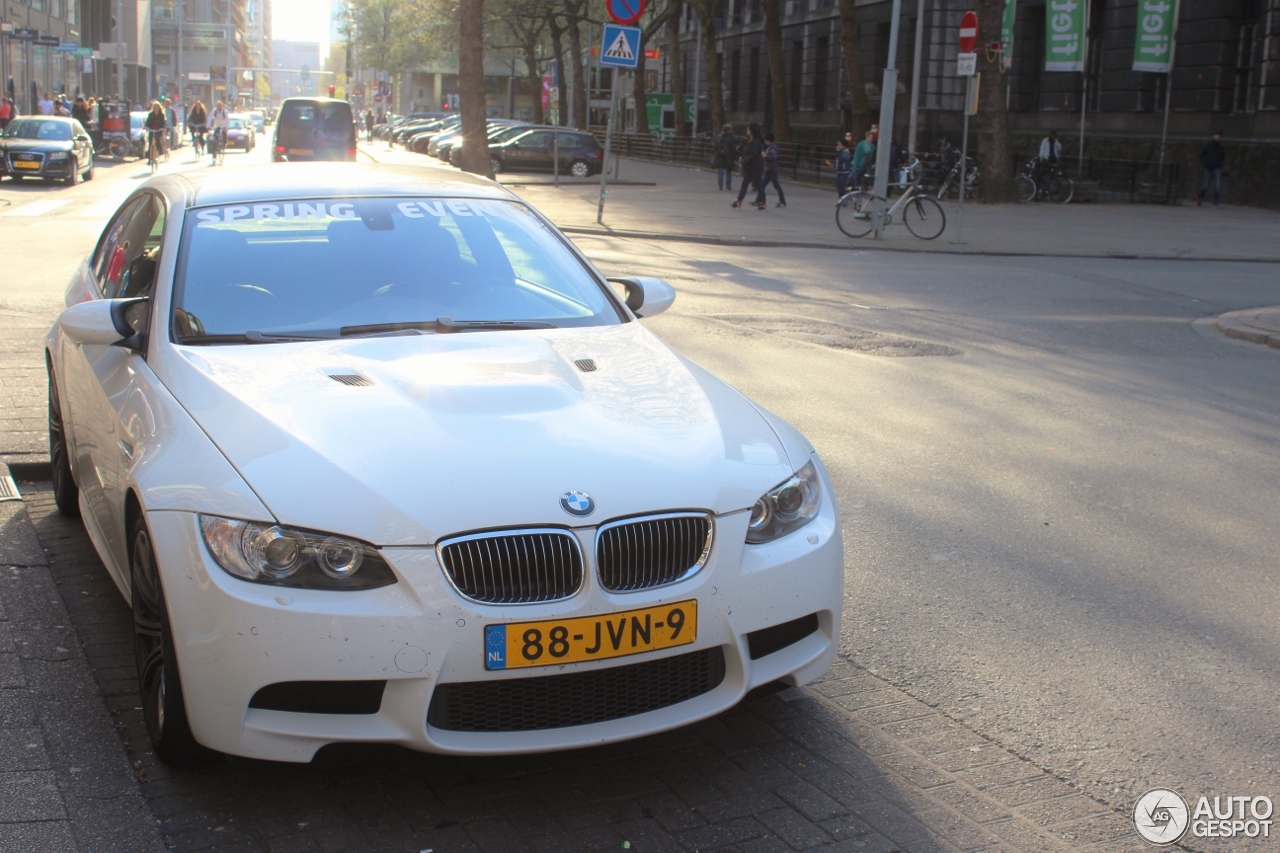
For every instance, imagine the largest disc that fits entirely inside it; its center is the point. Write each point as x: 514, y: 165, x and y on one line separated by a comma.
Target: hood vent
x: 347, y: 377
x: 586, y: 365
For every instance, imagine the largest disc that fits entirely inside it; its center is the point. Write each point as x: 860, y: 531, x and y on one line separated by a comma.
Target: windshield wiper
x: 445, y: 326
x: 253, y: 337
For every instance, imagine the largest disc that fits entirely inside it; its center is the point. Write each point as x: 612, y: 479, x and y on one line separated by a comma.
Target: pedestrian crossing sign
x: 620, y: 46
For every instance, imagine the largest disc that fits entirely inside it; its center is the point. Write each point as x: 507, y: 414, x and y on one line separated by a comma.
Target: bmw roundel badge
x: 577, y: 503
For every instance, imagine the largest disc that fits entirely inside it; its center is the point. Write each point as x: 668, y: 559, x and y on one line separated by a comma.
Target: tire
x: 924, y: 217
x: 118, y: 147
x: 1026, y: 188
x: 580, y: 169
x: 946, y: 185
x: 66, y: 493
x: 159, y: 682
x: 1061, y: 189
x: 88, y: 175
x: 853, y: 213
x: 495, y: 164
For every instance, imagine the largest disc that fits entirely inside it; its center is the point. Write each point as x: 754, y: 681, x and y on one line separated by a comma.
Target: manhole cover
x: 834, y: 335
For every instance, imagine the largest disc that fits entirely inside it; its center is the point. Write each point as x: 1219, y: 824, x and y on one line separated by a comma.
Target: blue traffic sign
x: 625, y: 12
x: 620, y: 46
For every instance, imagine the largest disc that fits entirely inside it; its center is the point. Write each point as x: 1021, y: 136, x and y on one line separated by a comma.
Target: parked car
x: 374, y: 454
x: 500, y: 134
x: 580, y: 154
x: 439, y: 147
x: 259, y: 120
x: 314, y: 129
x: 49, y: 147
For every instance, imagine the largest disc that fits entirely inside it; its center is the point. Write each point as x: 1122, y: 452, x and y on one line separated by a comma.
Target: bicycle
x: 1053, y: 184
x: 970, y: 178
x: 155, y: 147
x: 197, y: 139
x: 921, y: 214
x: 217, y: 145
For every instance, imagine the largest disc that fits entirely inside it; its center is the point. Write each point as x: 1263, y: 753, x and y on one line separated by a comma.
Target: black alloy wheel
x: 159, y: 683
x: 66, y: 494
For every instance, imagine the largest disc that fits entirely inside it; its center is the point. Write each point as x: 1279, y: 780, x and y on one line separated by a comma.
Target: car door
x: 96, y: 378
x: 529, y: 151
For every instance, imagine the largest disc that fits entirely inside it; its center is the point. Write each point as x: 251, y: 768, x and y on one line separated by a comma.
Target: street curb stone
x: 1255, y: 325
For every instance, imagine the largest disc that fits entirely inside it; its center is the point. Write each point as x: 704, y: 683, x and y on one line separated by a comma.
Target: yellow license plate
x: 606, y: 635
x: 26, y: 164
x: 301, y: 151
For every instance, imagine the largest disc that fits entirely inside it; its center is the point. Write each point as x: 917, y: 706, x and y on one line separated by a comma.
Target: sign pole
x: 966, y: 66
x: 608, y: 145
x: 915, y: 80
x: 1084, y: 92
x: 888, y: 94
x: 1168, y: 90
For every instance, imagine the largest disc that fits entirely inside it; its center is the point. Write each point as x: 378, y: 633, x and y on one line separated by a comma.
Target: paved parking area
x: 850, y: 763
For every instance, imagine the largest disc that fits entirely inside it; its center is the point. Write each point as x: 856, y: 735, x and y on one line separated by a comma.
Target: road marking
x: 99, y: 209
x: 38, y: 208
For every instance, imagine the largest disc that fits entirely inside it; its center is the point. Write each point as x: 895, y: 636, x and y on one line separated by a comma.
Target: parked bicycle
x: 1038, y: 179
x: 950, y: 184
x: 922, y: 215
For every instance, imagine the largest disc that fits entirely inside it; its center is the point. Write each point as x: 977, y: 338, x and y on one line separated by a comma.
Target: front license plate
x: 301, y: 151
x: 26, y: 164
x: 606, y: 635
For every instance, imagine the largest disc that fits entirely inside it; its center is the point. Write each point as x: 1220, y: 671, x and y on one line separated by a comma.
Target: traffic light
x: 331, y: 91
x: 445, y: 105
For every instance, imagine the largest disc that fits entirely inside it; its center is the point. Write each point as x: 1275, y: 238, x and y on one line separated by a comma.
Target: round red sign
x: 968, y: 32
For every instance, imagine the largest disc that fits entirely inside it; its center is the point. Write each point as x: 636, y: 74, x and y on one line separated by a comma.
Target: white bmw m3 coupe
x: 376, y: 455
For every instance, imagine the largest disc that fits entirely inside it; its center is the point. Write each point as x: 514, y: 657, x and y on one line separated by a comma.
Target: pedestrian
x: 844, y: 165
x: 45, y: 105
x: 6, y: 112
x: 1212, y: 157
x: 368, y: 124
x: 864, y: 158
x: 771, y: 169
x: 80, y: 112
x: 722, y: 162
x: 752, y: 160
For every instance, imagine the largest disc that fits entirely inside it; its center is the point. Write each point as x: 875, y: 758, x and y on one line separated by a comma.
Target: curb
x: 1255, y: 325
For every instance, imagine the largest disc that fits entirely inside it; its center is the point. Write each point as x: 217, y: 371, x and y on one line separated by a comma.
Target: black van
x: 314, y: 129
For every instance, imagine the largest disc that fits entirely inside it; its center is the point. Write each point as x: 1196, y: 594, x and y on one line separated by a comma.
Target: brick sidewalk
x: 848, y: 764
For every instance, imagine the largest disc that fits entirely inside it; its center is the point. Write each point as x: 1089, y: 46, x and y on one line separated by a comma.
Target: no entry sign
x: 625, y: 12
x: 968, y: 32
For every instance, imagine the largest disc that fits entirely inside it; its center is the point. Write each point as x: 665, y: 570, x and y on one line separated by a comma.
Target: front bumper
x: 47, y: 169
x: 234, y: 638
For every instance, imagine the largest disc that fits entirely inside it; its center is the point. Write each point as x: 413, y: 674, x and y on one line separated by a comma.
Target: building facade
x: 298, y: 70
x: 207, y: 60
x: 42, y: 50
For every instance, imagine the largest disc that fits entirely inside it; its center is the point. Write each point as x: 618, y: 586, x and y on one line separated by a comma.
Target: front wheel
x: 924, y: 217
x: 495, y: 164
x: 853, y: 213
x: 119, y: 147
x: 1061, y: 189
x: 159, y: 682
x: 1026, y: 188
x: 66, y: 493
x: 580, y: 169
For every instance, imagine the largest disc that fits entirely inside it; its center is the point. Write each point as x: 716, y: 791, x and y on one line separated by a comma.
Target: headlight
x: 788, y: 506
x: 59, y: 155
x: 269, y: 553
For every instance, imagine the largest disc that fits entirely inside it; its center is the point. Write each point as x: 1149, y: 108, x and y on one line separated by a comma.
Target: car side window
x: 132, y: 251
x: 111, y: 237
x: 537, y: 142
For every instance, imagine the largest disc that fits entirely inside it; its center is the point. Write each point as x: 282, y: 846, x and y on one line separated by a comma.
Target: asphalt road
x: 1057, y: 481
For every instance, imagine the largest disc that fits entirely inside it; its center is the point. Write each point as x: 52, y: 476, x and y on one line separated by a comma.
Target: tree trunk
x: 579, y: 74
x: 535, y: 80
x: 711, y: 62
x: 851, y: 47
x: 475, y: 145
x: 991, y: 124
x: 677, y: 71
x: 777, y: 73
x: 638, y: 92
x: 562, y: 82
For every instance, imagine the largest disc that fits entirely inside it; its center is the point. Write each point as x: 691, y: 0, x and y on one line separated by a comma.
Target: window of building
x: 1246, y: 64
x: 735, y: 80
x: 797, y: 69
x: 753, y: 80
x: 820, y: 73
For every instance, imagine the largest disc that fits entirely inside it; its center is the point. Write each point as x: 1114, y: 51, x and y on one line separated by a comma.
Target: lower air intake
x: 321, y: 697
x: 575, y: 699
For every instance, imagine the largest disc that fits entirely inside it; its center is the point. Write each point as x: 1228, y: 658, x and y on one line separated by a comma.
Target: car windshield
x: 38, y: 129
x: 235, y: 123
x: 319, y: 268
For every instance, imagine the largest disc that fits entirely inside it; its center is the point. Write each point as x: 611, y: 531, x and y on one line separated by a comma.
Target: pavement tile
x: 846, y: 686
x: 1025, y: 838
x: 909, y: 710
x: 648, y: 836
x: 22, y: 748
x: 672, y: 813
x: 990, y: 775
x: 970, y: 803
x: 50, y: 836
x: 952, y: 738
x: 1062, y: 810
x: 869, y: 699
x: 890, y: 821
x: 970, y: 757
x: 915, y: 770
x: 496, y: 836
x: 1092, y: 829
x: 720, y: 834
x: 1031, y: 790
x: 746, y: 805
x: 293, y: 842
x: 918, y: 727
x: 16, y: 708
x: 30, y: 796
x: 768, y: 844
x: 11, y: 674
x: 794, y: 828
x: 809, y: 800
x: 957, y: 829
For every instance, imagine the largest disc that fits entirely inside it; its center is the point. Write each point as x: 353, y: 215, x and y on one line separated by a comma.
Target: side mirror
x: 646, y: 297
x: 108, y: 322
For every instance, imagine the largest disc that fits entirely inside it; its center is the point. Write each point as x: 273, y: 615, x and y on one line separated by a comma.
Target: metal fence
x: 1105, y: 179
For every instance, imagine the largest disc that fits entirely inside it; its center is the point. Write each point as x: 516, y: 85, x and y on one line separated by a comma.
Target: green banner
x: 1153, y: 38
x: 1064, y: 24
x: 1006, y: 33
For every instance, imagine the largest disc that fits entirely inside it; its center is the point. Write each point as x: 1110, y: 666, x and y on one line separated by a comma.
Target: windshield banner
x: 1153, y: 38
x: 1064, y: 23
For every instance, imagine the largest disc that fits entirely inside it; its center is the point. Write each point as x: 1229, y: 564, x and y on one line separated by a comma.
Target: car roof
x: 285, y: 181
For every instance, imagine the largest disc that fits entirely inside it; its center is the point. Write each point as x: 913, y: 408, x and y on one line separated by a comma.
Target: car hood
x: 452, y: 433
x: 39, y: 146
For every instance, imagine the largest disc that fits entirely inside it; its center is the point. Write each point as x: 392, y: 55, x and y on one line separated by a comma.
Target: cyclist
x: 172, y: 140
x: 157, y: 127
x: 1050, y: 156
x: 219, y: 120
x: 196, y: 120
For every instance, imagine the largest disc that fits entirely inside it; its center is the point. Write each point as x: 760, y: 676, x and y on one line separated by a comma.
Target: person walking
x: 1212, y: 158
x: 6, y: 112
x: 752, y: 160
x: 844, y: 165
x: 368, y: 125
x: 722, y: 161
x: 864, y: 157
x: 771, y: 169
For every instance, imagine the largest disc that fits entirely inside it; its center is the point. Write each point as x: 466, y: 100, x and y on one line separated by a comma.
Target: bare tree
x: 850, y: 45
x: 475, y: 146
x: 556, y: 29
x: 521, y: 25
x: 707, y: 11
x: 777, y: 69
x: 649, y: 30
x: 677, y: 67
x: 573, y: 11
x: 991, y: 125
